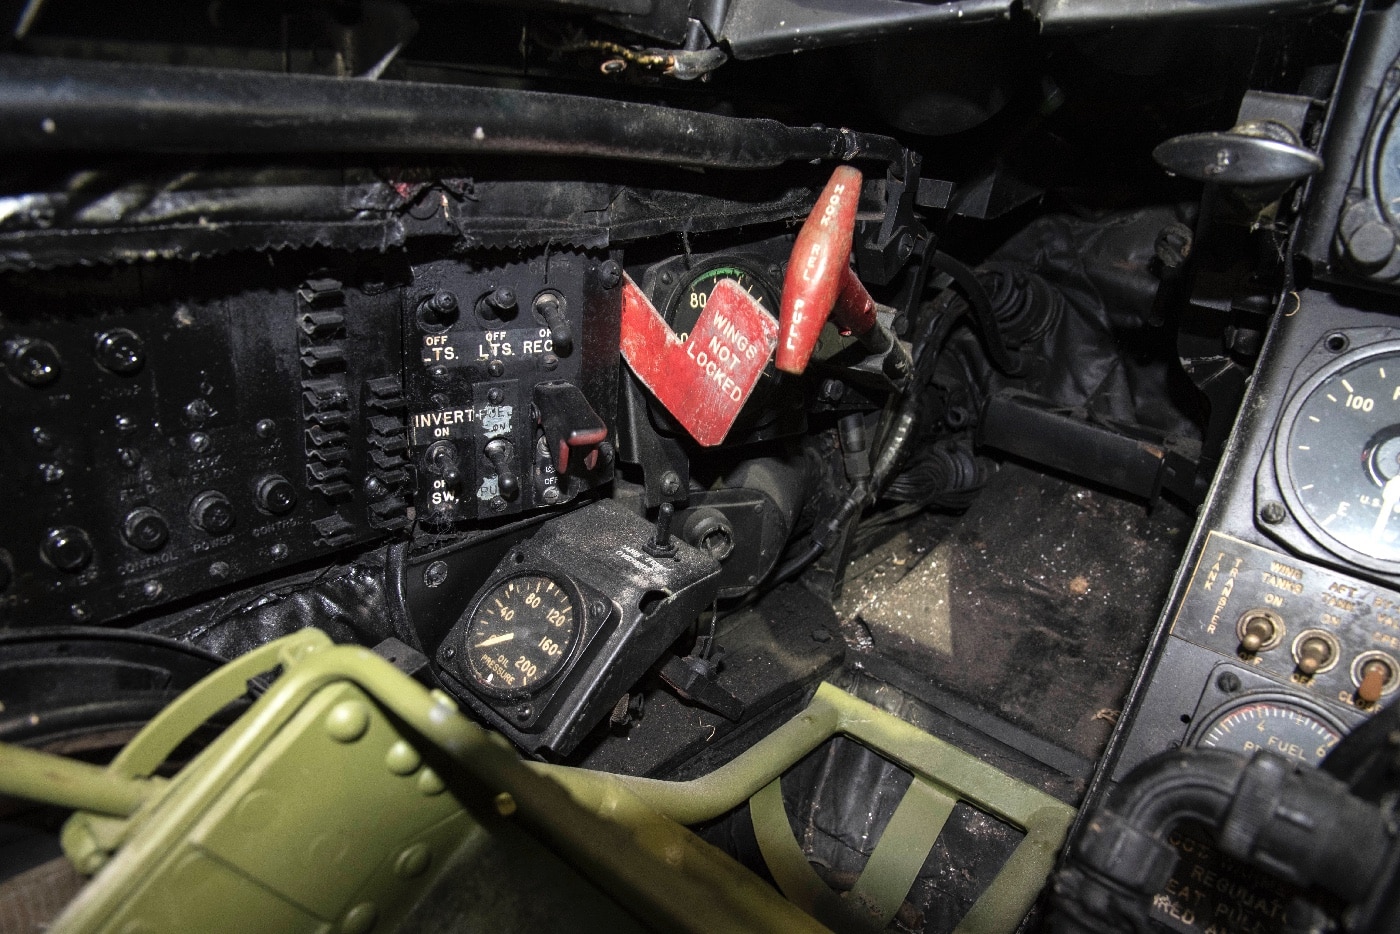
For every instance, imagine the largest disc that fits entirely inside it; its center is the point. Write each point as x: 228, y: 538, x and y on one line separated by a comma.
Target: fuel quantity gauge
x: 1338, y: 457
x: 1281, y: 724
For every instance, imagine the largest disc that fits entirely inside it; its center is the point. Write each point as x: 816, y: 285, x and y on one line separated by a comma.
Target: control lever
x: 551, y: 309
x: 695, y: 679
x: 661, y: 544
x: 501, y: 454
x: 574, y: 432
x: 821, y: 284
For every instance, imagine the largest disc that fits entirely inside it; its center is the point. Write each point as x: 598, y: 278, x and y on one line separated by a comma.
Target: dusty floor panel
x: 1035, y: 605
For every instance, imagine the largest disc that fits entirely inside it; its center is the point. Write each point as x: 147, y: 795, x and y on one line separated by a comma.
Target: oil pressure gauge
x: 1337, y: 457
x: 520, y: 635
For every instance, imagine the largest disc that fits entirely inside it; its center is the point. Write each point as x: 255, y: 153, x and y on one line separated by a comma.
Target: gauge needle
x: 507, y: 636
x: 1390, y: 497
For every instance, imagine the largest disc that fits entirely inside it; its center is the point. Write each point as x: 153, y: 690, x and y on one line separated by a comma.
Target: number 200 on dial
x: 520, y: 636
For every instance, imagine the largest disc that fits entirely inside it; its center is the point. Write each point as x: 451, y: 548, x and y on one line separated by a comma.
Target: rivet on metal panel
x: 360, y: 919
x: 429, y: 783
x: 413, y: 861
x: 402, y: 758
x: 347, y: 721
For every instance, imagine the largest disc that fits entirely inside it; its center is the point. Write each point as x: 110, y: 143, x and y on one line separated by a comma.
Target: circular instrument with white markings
x: 520, y: 635
x: 1282, y: 724
x: 1338, y: 457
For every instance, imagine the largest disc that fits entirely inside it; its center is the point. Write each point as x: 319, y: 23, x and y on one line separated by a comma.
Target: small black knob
x: 501, y: 454
x: 145, y: 528
x: 502, y: 303
x: 441, y: 460
x: 211, y: 512
x: 661, y: 544
x: 550, y: 307
x: 67, y: 548
x: 276, y: 494
x: 33, y: 362
x: 438, y: 311
x: 120, y: 351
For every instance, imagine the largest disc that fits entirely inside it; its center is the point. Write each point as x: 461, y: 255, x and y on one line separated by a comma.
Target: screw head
x: 495, y: 396
x: 198, y: 411
x: 130, y: 458
x: 265, y: 428
x: 598, y: 608
x: 278, y: 552
x: 670, y: 483
x: 438, y: 372
x: 550, y: 495
x: 199, y: 442
x: 1273, y: 513
x: 498, y: 504
x: 34, y: 363
x: 448, y: 652
x: 120, y: 351
x: 435, y: 574
x: 549, y: 361
x: 610, y: 274
x: 151, y: 589
x: 219, y: 570
x: 1228, y: 682
x: 124, y: 423
x: 375, y: 488
x: 67, y: 548
x: 496, y: 368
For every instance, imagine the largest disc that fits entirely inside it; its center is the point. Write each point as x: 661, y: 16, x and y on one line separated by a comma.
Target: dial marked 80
x: 690, y: 300
x: 521, y: 634
x: 1340, y: 458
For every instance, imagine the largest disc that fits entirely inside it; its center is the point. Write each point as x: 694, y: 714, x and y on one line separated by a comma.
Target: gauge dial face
x: 1276, y: 725
x: 520, y: 636
x: 1339, y: 457
x: 690, y: 301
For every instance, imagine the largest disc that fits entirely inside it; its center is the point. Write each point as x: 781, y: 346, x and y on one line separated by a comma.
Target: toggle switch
x: 551, y: 307
x: 1258, y: 630
x: 1314, y: 652
x: 575, y: 433
x: 501, y: 454
x: 1373, y: 676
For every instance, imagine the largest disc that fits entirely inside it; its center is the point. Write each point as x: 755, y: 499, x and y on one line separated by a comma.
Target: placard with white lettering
x: 459, y: 348
x: 705, y: 380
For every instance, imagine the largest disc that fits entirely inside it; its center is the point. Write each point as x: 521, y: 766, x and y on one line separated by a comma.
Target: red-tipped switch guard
x: 820, y: 282
x: 706, y: 380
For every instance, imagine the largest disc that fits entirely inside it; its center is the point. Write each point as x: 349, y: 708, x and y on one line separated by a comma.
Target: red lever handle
x: 817, y: 271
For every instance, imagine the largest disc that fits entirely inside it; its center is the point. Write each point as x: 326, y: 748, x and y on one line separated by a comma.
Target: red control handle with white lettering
x: 820, y: 282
